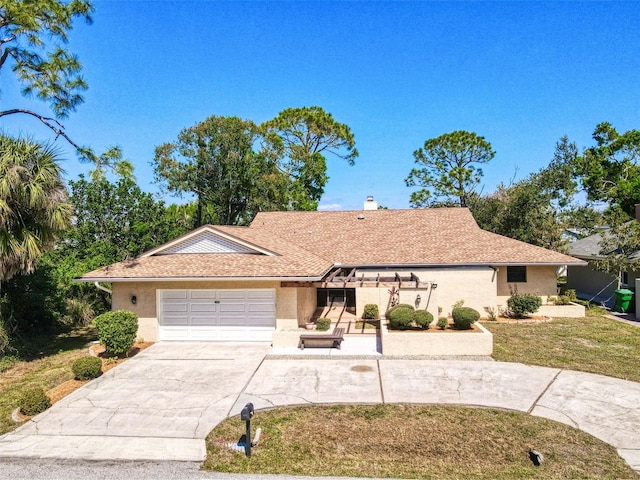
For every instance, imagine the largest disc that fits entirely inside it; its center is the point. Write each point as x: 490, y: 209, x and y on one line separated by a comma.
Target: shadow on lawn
x: 62, y: 340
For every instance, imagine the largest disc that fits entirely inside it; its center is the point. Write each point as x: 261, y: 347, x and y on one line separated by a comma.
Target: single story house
x: 243, y: 283
x: 591, y: 284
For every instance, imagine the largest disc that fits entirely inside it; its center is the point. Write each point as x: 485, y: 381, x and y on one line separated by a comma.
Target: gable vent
x: 206, y: 242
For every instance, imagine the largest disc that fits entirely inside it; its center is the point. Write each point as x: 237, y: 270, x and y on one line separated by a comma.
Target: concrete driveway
x: 161, y: 404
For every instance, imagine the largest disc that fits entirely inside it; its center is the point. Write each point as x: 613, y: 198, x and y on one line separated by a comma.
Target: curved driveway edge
x: 161, y: 404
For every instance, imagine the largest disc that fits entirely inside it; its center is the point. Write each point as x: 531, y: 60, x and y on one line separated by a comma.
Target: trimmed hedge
x: 395, y: 307
x: 117, y: 331
x: 443, y: 323
x: 401, y: 317
x: 464, y: 317
x: 422, y: 318
x: 86, y: 368
x: 371, y: 312
x: 33, y: 400
x: 520, y: 305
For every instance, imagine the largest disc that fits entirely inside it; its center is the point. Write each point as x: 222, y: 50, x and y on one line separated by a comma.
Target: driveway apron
x: 159, y: 405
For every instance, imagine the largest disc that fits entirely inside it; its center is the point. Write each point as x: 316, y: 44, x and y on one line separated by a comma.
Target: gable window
x: 517, y: 274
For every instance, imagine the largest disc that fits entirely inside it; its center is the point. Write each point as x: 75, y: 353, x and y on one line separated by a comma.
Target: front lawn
x: 412, y: 441
x: 594, y: 344
x: 45, y: 362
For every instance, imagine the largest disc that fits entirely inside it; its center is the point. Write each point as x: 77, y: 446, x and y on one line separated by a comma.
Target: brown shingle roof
x: 307, y: 244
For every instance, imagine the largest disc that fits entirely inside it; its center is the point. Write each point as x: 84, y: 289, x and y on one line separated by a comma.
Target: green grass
x: 44, y: 361
x: 412, y: 441
x: 594, y: 344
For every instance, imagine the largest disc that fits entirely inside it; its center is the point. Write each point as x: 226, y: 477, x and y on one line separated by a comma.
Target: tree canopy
x: 609, y: 171
x: 447, y: 168
x: 34, y: 208
x: 33, y: 38
x: 299, y: 139
x: 215, y: 161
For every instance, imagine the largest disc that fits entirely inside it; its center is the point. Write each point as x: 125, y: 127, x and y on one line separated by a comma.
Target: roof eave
x: 196, y: 279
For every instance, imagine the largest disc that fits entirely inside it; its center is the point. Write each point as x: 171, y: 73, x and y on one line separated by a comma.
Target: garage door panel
x: 178, y: 294
x: 203, y: 294
x: 204, y: 307
x: 217, y: 315
x: 231, y: 294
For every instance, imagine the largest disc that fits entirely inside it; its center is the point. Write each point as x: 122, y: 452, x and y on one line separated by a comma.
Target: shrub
x: 323, y: 324
x: 492, y: 313
x: 371, y: 312
x: 570, y: 293
x: 522, y: 304
x: 400, y: 305
x: 117, y: 330
x: 401, y: 317
x: 464, y: 317
x: 443, y: 322
x: 4, y: 339
x: 422, y: 318
x: 33, y: 401
x: 86, y: 368
x: 562, y: 300
x: 79, y: 312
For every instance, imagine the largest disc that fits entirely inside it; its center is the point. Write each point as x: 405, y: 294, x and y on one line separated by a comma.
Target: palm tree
x: 34, y: 205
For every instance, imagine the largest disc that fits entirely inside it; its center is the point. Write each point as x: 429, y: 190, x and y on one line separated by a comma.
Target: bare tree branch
x: 50, y: 122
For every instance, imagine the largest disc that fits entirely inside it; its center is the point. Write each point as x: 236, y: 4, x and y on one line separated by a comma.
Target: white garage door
x: 231, y: 315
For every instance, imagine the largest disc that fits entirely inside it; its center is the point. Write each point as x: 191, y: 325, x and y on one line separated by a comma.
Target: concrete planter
x: 568, y: 311
x: 433, y: 342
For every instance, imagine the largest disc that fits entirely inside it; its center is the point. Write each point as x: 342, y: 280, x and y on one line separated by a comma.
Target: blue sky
x: 521, y: 74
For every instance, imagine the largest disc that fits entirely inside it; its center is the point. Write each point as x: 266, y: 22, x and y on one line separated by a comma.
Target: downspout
x: 104, y: 289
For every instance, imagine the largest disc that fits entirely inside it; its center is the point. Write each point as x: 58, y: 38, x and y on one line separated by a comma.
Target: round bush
x: 323, y: 324
x: 395, y: 307
x: 34, y: 400
x: 117, y: 331
x: 443, y: 323
x: 401, y: 318
x: 371, y: 312
x: 520, y: 305
x: 464, y: 317
x: 422, y: 318
x: 86, y: 368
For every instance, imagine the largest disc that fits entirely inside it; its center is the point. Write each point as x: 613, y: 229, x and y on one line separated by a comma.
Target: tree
x: 535, y: 209
x: 34, y: 208
x: 609, y: 171
x: 299, y: 139
x: 619, y: 247
x: 215, y: 161
x: 447, y: 167
x: 112, y: 222
x: 32, y: 38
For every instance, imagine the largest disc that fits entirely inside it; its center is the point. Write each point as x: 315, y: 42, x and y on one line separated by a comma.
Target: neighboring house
x: 589, y: 283
x: 242, y: 283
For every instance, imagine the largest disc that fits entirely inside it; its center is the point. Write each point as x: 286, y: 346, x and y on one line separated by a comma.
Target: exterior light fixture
x: 434, y: 286
x: 134, y: 299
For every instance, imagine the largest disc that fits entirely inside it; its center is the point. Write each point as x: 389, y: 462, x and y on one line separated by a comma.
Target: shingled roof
x: 305, y: 245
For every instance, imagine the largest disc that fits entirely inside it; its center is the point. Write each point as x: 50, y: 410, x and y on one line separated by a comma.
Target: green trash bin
x: 623, y: 299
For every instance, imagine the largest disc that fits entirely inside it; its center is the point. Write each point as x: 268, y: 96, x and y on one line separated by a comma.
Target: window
x: 517, y: 274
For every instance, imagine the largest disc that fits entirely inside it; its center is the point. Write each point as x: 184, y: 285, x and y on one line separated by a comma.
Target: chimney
x: 638, y: 212
x: 371, y: 204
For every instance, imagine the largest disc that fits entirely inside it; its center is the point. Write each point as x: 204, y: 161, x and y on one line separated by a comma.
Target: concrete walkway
x: 161, y: 404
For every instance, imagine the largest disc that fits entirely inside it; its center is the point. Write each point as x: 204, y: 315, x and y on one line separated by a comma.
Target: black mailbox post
x: 246, y: 414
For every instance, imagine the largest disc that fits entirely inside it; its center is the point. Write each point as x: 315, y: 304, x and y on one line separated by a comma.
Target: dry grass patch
x: 410, y: 441
x: 49, y: 367
x: 594, y: 344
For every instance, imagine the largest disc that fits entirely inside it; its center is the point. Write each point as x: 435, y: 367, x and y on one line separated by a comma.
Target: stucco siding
x: 541, y: 281
x: 146, y: 300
